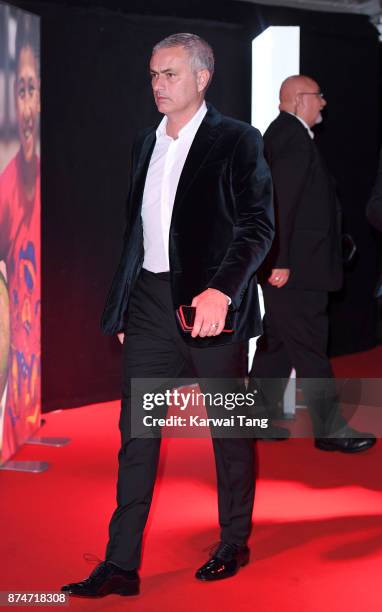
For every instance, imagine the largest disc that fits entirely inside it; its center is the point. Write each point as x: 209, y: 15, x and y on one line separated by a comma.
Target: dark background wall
x: 96, y: 96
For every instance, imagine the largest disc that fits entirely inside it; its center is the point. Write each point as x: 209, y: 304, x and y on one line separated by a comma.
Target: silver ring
x: 214, y: 324
x: 277, y: 278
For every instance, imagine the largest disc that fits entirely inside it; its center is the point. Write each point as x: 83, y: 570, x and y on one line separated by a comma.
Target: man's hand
x: 279, y: 277
x: 121, y: 337
x: 211, y: 310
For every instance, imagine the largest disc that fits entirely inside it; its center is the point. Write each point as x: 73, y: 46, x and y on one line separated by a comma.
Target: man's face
x: 176, y: 88
x: 311, y: 104
x: 27, y: 97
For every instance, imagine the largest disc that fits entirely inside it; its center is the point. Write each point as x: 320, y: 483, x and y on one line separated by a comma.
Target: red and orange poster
x: 20, y: 266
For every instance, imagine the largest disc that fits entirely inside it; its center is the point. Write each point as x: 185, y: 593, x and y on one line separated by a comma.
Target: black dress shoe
x: 105, y: 579
x: 346, y: 440
x: 225, y: 562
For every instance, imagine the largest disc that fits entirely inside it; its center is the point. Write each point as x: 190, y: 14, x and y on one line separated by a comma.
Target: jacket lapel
x: 203, y: 142
x: 140, y: 173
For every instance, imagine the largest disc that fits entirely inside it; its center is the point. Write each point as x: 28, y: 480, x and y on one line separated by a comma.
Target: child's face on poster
x: 27, y: 97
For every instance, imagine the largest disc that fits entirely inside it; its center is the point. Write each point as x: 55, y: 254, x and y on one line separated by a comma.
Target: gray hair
x: 200, y: 52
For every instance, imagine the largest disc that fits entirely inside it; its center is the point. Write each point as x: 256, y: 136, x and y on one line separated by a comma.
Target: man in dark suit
x: 304, y: 264
x: 199, y: 224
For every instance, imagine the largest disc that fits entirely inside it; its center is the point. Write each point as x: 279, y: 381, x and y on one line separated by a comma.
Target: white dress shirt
x: 166, y: 165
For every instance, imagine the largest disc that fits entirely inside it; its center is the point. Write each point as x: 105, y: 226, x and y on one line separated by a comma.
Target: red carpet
x: 367, y: 364
x: 316, y: 543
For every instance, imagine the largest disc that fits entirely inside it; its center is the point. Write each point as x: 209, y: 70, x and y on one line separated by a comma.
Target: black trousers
x: 296, y: 336
x: 154, y: 347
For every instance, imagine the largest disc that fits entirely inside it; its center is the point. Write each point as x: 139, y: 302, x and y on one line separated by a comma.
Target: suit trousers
x: 295, y: 336
x: 154, y: 348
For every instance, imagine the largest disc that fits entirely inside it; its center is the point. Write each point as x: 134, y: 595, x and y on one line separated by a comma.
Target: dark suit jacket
x: 308, y: 225
x: 374, y: 205
x: 221, y: 226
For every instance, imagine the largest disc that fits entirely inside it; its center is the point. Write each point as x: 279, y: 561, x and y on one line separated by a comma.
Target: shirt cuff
x: 228, y: 298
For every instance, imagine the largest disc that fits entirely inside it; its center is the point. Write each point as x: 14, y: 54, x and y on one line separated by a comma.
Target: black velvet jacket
x: 221, y: 226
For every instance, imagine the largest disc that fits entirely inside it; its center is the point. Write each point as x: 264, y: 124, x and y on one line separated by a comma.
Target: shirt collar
x: 306, y: 126
x: 190, y: 127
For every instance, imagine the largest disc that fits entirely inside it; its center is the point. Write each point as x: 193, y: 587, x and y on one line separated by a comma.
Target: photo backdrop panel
x: 20, y: 271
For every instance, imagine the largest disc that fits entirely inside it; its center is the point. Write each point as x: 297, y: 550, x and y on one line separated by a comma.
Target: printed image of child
x: 20, y: 250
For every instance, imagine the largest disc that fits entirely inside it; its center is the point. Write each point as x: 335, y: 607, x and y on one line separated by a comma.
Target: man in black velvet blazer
x: 304, y: 264
x: 199, y: 224
x: 221, y: 228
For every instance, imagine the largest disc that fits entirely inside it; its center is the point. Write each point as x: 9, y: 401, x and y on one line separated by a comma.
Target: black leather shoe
x: 225, y: 562
x: 105, y: 579
x: 347, y: 440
